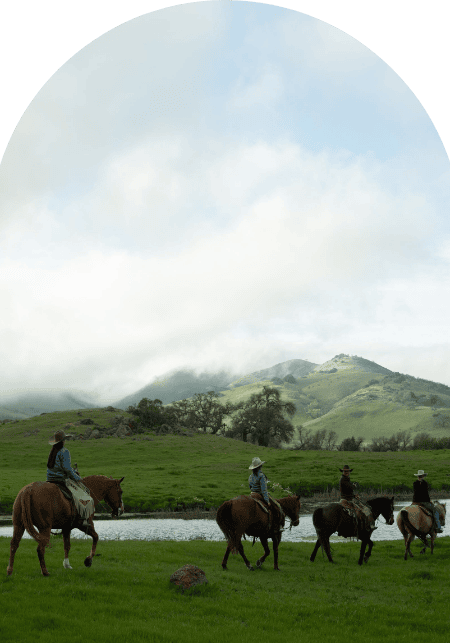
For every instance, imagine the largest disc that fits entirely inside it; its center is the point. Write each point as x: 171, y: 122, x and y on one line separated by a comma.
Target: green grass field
x: 126, y: 595
x: 203, y: 470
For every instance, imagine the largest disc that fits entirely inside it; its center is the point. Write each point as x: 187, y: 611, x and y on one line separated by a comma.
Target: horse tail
x: 25, y: 505
x: 318, y: 518
x: 408, y: 523
x: 224, y: 519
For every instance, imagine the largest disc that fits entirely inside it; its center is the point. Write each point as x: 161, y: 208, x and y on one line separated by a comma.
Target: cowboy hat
x: 256, y: 462
x: 421, y: 472
x: 346, y: 468
x: 59, y: 436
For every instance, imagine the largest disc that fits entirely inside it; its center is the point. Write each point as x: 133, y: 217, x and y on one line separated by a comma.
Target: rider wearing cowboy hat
x: 347, y: 491
x: 422, y: 497
x: 257, y: 481
x: 59, y: 466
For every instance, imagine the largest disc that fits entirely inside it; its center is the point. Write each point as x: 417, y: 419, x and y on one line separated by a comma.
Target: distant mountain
x: 295, y: 367
x: 30, y: 402
x: 351, y: 363
x: 178, y: 385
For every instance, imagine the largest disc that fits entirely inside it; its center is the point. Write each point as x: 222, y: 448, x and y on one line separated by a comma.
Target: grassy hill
x: 202, y: 470
x: 355, y: 402
x: 348, y: 394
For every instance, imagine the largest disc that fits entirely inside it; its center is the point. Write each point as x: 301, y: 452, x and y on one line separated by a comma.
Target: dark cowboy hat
x: 59, y: 437
x: 346, y: 468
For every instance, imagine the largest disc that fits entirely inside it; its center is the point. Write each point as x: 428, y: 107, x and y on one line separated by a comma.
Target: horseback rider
x: 257, y: 482
x: 421, y: 497
x: 348, y: 497
x: 59, y: 467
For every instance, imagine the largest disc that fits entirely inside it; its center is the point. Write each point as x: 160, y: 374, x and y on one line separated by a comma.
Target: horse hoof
x: 88, y: 561
x: 9, y: 571
x: 224, y: 568
x: 46, y: 573
x: 251, y: 569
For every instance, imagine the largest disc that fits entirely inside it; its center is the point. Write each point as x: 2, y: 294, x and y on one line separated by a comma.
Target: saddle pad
x: 82, y: 498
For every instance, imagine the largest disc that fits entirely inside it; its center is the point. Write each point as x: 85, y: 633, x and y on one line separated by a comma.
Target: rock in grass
x: 188, y: 576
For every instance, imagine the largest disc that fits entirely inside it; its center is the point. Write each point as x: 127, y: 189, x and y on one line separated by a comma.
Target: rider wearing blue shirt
x: 59, y: 466
x: 257, y: 481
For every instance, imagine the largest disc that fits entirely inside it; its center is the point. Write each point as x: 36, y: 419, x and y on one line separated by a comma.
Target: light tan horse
x: 412, y: 522
x: 41, y: 507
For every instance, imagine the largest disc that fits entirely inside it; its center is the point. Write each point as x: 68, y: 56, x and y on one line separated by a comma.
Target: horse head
x: 113, y: 497
x: 387, y: 510
x: 442, y: 508
x: 291, y: 507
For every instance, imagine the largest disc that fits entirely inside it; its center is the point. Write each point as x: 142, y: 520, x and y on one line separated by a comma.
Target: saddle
x: 425, y: 510
x: 275, y: 511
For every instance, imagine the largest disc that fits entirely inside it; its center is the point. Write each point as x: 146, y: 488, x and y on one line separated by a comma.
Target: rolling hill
x: 350, y: 395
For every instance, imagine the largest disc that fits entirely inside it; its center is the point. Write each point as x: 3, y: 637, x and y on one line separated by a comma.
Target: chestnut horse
x: 242, y: 515
x: 333, y: 517
x: 412, y: 522
x: 43, y: 505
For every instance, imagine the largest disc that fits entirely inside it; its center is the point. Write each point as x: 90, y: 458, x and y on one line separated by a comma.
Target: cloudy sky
x: 220, y: 185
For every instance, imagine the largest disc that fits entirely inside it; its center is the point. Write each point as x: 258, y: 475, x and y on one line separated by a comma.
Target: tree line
x: 263, y: 419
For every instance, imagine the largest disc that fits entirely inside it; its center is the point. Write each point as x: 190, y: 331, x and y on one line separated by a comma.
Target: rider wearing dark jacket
x: 347, y: 491
x: 422, y: 497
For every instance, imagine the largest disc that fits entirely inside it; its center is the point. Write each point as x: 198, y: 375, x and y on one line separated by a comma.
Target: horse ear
x: 121, y: 479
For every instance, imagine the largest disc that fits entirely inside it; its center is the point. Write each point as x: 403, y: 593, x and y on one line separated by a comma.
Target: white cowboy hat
x: 421, y: 472
x: 256, y: 462
x: 59, y: 436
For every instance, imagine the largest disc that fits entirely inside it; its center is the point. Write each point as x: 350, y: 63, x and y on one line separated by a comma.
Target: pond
x: 179, y: 529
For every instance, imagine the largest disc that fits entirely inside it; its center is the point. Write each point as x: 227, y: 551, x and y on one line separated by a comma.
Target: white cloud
x: 265, y: 91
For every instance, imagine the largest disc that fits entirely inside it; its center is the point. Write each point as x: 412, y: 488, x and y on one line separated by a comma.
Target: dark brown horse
x: 242, y: 515
x: 43, y: 505
x: 412, y: 522
x: 333, y: 517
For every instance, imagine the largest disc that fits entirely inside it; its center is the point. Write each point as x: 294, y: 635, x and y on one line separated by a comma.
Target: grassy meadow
x: 202, y: 470
x: 126, y: 595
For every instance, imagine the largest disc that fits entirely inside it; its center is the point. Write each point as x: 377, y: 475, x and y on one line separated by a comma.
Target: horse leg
x: 15, y: 542
x: 225, y: 558
x: 265, y: 544
x: 275, y: 541
x: 408, y: 541
x: 433, y: 536
x: 246, y: 560
x: 90, y: 531
x: 316, y: 549
x: 369, y: 551
x: 361, y: 552
x: 324, y: 539
x: 66, y: 537
x: 43, y: 543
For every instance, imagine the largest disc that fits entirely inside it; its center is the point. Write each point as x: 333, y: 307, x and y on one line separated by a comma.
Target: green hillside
x: 202, y: 470
x: 357, y: 403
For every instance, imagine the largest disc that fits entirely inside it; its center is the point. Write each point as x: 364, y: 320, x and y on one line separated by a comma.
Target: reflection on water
x: 178, y: 529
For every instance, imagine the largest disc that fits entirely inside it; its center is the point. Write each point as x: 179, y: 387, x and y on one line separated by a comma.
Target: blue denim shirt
x: 258, y: 483
x: 63, y: 468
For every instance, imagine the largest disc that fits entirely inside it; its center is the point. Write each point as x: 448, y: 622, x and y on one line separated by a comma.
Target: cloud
x: 266, y: 90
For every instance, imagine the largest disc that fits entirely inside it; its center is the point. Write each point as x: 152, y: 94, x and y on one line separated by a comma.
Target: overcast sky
x: 220, y: 185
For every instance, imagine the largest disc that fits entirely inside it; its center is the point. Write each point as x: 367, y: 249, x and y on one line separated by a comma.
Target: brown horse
x: 43, y: 505
x: 412, y: 522
x: 242, y: 515
x: 333, y: 517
